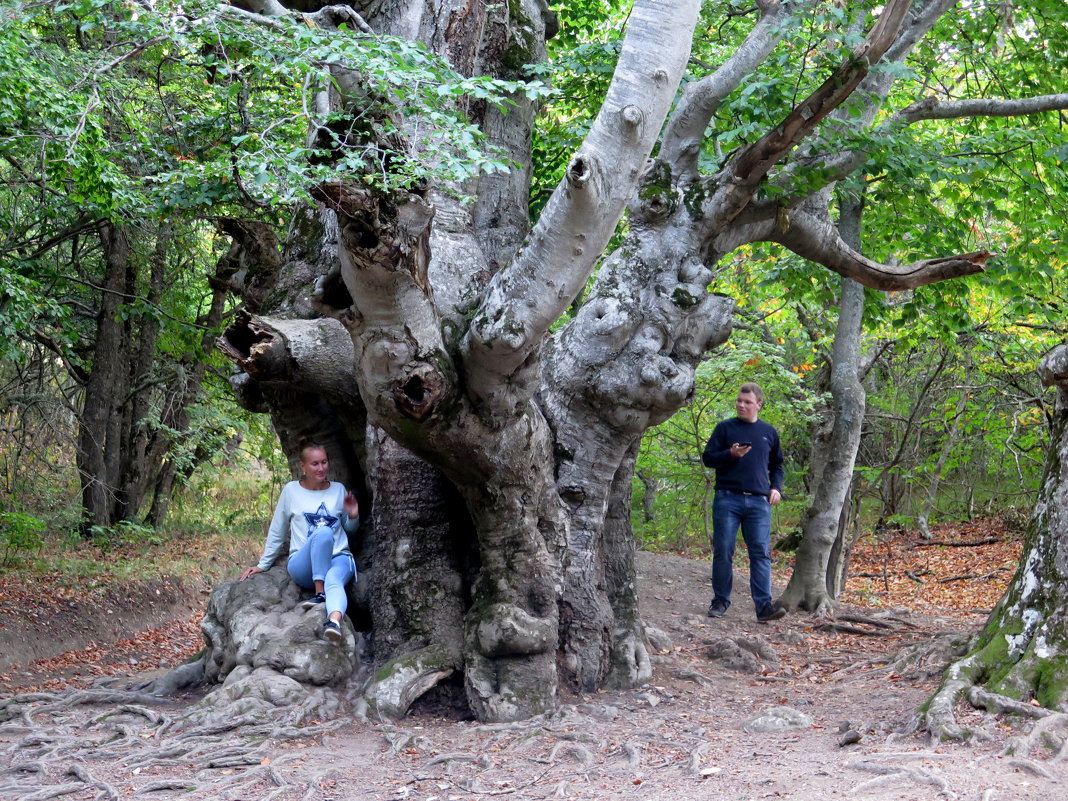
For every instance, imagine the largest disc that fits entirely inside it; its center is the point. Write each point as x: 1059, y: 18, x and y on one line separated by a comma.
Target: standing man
x: 747, y: 457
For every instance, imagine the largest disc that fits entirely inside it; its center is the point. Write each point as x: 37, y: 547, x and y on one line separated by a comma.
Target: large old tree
x: 422, y: 338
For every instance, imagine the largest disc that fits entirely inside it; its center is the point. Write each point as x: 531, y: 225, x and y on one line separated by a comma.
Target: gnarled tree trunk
x: 435, y: 333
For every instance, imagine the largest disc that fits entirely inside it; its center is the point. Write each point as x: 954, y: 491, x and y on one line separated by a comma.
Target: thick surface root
x: 403, y: 679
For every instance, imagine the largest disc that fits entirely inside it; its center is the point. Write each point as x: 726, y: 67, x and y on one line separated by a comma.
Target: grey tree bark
x: 416, y: 331
x: 97, y: 467
x: 813, y: 583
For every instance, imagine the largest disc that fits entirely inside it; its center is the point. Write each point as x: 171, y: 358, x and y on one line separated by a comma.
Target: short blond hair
x: 754, y: 390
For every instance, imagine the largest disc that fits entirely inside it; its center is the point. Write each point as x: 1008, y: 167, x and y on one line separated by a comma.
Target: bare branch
x: 269, y: 19
x: 334, y: 16
x: 271, y: 8
x: 816, y: 238
x: 931, y: 108
x: 752, y: 164
x: 128, y: 55
x: 836, y: 166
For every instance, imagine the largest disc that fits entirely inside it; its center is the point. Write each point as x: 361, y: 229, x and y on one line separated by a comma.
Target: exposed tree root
x: 405, y: 678
x: 929, y: 657
x: 1043, y: 733
x: 997, y: 704
x: 891, y: 773
x: 1031, y: 767
x: 941, y: 720
x: 693, y: 675
x: 843, y: 628
x: 58, y: 737
x: 54, y: 791
x: 580, y: 754
x: 168, y: 784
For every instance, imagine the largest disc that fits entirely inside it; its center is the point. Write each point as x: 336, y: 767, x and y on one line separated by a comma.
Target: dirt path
x: 682, y: 736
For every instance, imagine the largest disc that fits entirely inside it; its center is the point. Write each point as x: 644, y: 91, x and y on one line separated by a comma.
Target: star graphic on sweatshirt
x: 320, y: 517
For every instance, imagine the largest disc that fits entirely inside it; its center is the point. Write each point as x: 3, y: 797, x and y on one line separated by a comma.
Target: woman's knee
x: 319, y: 534
x: 339, y: 576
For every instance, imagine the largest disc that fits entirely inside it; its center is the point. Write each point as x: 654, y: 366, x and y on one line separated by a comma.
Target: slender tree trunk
x: 650, y: 488
x: 813, y: 575
x: 138, y: 471
x: 936, y: 474
x: 842, y: 550
x: 96, y: 468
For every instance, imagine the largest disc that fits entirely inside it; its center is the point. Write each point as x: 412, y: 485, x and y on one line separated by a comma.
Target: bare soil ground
x: 682, y: 736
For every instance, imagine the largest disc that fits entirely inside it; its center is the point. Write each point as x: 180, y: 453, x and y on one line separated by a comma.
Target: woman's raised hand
x: 350, y: 505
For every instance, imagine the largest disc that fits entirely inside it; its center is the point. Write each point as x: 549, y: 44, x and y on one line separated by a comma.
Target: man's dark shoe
x: 717, y: 609
x: 773, y: 612
x: 314, y: 601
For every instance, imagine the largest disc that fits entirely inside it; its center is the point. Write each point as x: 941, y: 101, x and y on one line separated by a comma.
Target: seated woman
x: 318, y: 514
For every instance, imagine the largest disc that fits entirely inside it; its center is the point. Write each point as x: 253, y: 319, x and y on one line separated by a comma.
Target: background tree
x: 105, y: 305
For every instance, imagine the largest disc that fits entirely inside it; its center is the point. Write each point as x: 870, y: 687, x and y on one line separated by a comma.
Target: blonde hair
x: 304, y: 445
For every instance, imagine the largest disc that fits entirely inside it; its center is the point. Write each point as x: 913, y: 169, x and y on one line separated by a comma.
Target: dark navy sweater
x: 758, y: 471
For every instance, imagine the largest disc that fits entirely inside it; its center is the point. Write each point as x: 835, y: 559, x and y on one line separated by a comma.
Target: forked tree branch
x: 686, y: 127
x: 552, y: 265
x: 752, y: 164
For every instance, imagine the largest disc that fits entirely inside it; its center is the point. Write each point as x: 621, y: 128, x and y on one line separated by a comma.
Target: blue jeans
x: 753, y: 513
x: 315, y: 562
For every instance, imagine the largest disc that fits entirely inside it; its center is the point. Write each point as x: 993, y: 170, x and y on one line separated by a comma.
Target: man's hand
x: 774, y: 497
x: 738, y: 450
x: 252, y: 571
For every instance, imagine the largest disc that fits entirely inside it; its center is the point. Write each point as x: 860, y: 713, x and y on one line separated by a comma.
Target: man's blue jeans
x: 753, y: 514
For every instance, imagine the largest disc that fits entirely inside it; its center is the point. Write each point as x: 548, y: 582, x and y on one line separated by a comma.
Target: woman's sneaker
x: 332, y: 630
x: 314, y: 601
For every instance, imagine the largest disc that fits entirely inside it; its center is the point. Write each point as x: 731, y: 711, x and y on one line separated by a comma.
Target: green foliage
x: 123, y: 533
x: 233, y: 499
x: 20, y: 535
x: 200, y: 107
x: 23, y: 304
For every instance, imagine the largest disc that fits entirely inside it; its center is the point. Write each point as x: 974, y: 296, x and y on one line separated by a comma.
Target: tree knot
x: 418, y: 393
